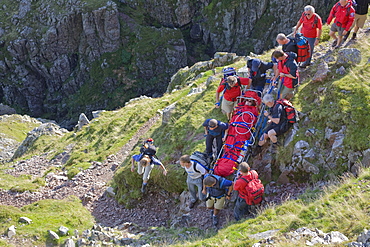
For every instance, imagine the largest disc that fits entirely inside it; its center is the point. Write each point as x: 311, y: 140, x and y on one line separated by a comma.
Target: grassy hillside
x: 345, y: 102
x: 46, y: 215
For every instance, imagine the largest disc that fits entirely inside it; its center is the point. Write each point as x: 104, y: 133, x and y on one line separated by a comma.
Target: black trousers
x: 209, y: 142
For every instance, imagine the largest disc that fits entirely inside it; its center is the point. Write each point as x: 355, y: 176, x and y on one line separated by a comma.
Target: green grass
x: 46, y: 215
x: 13, y: 127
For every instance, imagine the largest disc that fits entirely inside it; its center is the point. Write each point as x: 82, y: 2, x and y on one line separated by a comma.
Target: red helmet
x: 150, y: 140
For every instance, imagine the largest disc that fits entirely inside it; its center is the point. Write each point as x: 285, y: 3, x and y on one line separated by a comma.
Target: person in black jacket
x: 361, y: 10
x: 257, y: 72
x: 288, y: 44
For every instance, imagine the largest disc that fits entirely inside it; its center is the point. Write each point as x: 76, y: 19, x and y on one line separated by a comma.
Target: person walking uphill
x: 145, y: 166
x: 214, y: 129
x: 218, y: 189
x: 344, y: 15
x: 311, y: 29
x: 194, y: 179
x: 361, y: 10
x: 288, y: 72
x: 245, y: 200
x: 231, y: 90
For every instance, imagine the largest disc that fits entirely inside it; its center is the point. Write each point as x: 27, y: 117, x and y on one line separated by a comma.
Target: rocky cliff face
x: 60, y: 58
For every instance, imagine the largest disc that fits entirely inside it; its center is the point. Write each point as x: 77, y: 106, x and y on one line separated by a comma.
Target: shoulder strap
x: 239, y: 82
x: 195, y: 162
x: 195, y: 166
x: 253, y: 177
x: 348, y: 11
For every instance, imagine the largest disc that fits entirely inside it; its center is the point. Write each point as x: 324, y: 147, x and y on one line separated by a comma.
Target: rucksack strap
x: 253, y: 177
x: 195, y: 166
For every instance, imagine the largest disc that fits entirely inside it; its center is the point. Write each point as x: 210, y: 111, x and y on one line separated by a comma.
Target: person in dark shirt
x: 218, y: 189
x: 288, y: 44
x: 257, y: 72
x: 278, y: 123
x: 214, y: 129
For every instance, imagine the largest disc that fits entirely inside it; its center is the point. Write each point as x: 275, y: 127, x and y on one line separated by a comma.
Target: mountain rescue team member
x: 344, y: 15
x: 232, y: 89
x: 241, y: 207
x: 311, y: 29
x: 194, y: 179
x: 278, y: 123
x: 361, y: 10
x: 145, y: 166
x: 288, y: 72
x: 214, y: 129
x: 218, y: 188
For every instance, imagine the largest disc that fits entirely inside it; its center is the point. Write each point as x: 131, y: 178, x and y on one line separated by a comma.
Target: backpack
x: 290, y: 112
x: 148, y: 149
x: 227, y: 87
x: 216, y: 191
x: 315, y: 20
x: 348, y: 10
x: 254, y: 189
x: 303, y: 47
x: 201, y: 159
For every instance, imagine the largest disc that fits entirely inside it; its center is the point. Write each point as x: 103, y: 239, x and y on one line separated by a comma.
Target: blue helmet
x: 228, y: 71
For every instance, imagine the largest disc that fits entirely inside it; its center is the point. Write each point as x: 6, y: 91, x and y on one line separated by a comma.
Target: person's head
x: 185, y: 161
x: 149, y: 140
x: 309, y: 11
x: 228, y: 71
x: 244, y: 167
x: 268, y: 99
x: 282, y: 39
x: 232, y: 80
x: 212, y: 124
x: 256, y: 63
x: 145, y: 161
x: 209, y: 181
x: 279, y: 55
x: 250, y: 102
x: 343, y: 2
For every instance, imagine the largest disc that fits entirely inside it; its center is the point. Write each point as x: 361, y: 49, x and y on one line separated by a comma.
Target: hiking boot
x: 345, y: 37
x: 143, y: 188
x: 334, y: 43
x: 215, y: 220
x: 192, y: 204
x: 354, y: 36
x: 274, y: 147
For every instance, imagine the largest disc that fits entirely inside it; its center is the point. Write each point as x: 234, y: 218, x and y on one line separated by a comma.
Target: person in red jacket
x: 231, y: 88
x: 288, y: 72
x: 311, y: 29
x: 344, y: 15
x: 241, y: 207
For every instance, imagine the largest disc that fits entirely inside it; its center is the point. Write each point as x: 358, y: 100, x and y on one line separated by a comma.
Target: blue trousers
x: 311, y: 41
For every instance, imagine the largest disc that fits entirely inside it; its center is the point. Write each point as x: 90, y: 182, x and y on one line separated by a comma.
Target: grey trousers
x: 193, y: 185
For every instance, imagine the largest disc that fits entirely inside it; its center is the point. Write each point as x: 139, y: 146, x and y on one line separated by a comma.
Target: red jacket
x: 240, y: 184
x: 232, y: 93
x: 344, y: 16
x: 289, y: 66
